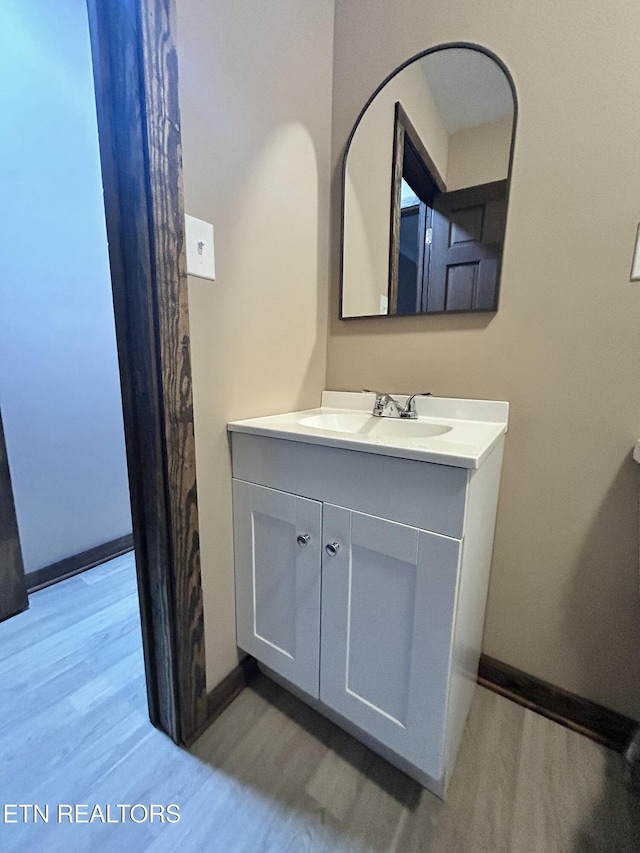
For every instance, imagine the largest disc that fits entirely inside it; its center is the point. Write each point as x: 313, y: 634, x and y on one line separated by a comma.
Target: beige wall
x: 564, y: 347
x: 478, y: 155
x: 255, y: 98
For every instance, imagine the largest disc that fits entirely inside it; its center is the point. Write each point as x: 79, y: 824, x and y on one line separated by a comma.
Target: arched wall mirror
x: 425, y: 187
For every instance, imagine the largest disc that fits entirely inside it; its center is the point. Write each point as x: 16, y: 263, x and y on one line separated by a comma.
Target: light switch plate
x: 200, y: 256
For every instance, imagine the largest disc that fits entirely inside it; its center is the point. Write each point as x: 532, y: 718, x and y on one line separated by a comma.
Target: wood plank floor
x: 271, y: 775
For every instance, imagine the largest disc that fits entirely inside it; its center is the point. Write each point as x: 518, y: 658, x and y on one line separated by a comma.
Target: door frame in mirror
x: 435, y: 49
x: 405, y: 135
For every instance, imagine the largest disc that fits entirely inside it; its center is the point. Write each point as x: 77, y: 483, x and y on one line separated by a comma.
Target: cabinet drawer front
x: 388, y: 601
x: 422, y: 494
x: 278, y: 580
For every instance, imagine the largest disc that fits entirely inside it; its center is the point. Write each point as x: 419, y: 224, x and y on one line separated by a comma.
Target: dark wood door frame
x: 13, y: 584
x: 135, y: 71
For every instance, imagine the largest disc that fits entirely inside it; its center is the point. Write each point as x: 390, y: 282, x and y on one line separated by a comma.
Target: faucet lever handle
x: 409, y: 409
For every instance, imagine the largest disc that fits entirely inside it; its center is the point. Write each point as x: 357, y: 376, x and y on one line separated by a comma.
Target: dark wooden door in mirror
x: 466, y: 249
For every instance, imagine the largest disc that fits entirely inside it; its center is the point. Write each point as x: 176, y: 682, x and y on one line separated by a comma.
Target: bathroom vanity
x: 362, y: 557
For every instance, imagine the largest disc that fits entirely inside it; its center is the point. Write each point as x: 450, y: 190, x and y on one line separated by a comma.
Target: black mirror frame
x: 435, y: 49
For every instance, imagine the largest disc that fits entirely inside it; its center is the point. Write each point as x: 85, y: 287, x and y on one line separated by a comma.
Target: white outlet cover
x: 200, y: 254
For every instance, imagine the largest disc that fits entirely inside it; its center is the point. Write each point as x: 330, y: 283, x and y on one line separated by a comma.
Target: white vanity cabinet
x: 361, y: 583
x: 380, y: 653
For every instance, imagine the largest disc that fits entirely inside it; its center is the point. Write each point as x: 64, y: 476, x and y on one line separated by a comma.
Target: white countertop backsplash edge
x: 488, y: 411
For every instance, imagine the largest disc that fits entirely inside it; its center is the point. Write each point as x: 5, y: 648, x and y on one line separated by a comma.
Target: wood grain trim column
x: 136, y: 75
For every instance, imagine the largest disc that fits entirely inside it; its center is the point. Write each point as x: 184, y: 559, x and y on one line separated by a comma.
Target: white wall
x: 59, y: 384
x: 255, y: 100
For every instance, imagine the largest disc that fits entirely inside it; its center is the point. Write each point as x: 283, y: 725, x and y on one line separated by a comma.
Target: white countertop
x: 474, y: 428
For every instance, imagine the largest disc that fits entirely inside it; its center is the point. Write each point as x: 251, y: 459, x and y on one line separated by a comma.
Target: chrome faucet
x: 387, y: 406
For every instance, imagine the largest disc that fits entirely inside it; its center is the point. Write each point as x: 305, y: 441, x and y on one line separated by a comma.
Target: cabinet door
x: 278, y: 581
x: 388, y: 601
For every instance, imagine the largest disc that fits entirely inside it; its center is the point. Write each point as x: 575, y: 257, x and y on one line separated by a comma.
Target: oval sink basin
x: 361, y: 423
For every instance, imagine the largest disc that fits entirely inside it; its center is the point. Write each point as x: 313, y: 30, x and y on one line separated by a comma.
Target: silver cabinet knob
x: 302, y: 539
x: 332, y: 549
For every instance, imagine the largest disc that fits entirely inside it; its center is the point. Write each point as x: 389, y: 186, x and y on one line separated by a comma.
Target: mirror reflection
x: 425, y: 189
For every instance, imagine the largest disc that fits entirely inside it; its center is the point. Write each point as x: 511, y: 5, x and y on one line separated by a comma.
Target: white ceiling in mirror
x: 430, y: 154
x: 456, y: 77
